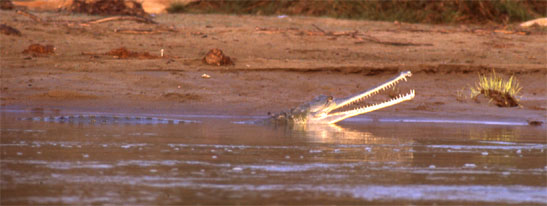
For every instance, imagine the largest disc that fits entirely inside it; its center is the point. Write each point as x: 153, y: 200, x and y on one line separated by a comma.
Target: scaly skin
x: 105, y: 119
x: 320, y: 109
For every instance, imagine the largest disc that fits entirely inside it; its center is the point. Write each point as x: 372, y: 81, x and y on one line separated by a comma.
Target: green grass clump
x: 501, y: 92
x: 413, y: 11
x: 176, y: 7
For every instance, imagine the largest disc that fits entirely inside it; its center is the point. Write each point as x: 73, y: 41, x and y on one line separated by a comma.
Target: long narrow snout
x: 341, y: 115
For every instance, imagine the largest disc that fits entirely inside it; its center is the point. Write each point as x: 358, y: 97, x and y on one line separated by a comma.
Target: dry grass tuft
x: 502, y: 93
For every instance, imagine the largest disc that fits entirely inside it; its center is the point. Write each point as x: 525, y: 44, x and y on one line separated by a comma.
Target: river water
x: 224, y: 160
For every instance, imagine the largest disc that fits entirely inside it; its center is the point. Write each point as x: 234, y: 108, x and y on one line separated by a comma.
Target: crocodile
x: 321, y: 110
x: 325, y: 109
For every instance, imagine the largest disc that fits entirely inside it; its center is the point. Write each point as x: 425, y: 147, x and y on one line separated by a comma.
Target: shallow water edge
x: 216, y: 161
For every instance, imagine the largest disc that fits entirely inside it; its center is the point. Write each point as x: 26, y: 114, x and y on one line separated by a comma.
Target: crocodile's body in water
x: 106, y: 119
x: 328, y: 110
x: 321, y: 110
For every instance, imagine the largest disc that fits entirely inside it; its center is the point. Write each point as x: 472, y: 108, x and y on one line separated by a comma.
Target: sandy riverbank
x: 279, y: 63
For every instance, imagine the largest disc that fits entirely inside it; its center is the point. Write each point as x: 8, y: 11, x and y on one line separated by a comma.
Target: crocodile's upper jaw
x: 324, y: 115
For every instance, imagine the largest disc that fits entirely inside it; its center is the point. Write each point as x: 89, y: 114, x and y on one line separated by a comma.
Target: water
x: 217, y: 161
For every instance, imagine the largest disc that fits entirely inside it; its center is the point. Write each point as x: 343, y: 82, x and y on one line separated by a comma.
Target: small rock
x: 124, y: 53
x: 6, y: 5
x: 39, y: 50
x: 8, y: 30
x: 217, y: 57
x: 535, y: 122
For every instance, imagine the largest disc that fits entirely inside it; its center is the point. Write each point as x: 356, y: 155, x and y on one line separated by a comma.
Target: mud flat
x: 278, y: 63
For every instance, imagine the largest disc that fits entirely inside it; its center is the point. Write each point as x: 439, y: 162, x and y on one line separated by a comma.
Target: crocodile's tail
x: 102, y: 119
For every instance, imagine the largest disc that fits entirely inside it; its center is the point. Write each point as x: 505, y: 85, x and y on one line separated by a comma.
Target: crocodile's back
x: 104, y: 119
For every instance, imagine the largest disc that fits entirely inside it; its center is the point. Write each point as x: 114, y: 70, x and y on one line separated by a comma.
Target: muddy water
x: 218, y: 161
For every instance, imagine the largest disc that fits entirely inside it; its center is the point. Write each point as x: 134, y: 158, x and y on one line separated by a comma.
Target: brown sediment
x: 275, y: 70
x: 6, y: 5
x: 182, y: 97
x: 66, y: 95
x: 124, y: 53
x: 39, y: 50
x: 8, y: 30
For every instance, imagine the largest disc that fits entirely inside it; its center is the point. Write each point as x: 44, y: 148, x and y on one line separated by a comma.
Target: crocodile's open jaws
x: 328, y: 110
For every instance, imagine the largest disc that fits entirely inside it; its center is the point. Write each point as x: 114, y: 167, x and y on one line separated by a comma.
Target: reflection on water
x: 219, y: 162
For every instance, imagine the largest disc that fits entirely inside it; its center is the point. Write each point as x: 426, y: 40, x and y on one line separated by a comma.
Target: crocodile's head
x: 328, y: 110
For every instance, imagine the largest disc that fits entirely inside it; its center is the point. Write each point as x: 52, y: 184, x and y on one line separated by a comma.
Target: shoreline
x: 275, y: 69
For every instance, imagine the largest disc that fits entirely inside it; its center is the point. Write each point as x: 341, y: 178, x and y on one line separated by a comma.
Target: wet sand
x: 279, y: 63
